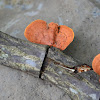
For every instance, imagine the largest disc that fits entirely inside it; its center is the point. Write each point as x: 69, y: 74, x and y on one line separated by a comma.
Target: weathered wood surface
x: 29, y: 57
x: 80, y: 86
x: 21, y: 54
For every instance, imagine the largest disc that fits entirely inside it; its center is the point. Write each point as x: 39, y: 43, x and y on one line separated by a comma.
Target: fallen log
x: 29, y: 57
x: 21, y: 54
x: 79, y: 86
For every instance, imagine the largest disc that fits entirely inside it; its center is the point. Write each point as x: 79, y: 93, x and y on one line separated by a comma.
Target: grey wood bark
x: 29, y: 57
x: 79, y: 86
x: 21, y: 54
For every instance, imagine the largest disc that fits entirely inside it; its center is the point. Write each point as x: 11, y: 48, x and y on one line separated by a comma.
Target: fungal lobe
x: 53, y: 35
x: 96, y: 64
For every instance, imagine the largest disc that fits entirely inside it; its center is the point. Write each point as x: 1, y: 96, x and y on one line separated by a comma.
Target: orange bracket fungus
x: 53, y: 35
x: 96, y: 65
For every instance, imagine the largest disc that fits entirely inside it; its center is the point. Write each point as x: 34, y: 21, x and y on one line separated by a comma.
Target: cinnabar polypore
x: 96, y: 64
x: 53, y: 35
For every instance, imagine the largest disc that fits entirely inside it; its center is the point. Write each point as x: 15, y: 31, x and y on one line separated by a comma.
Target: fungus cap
x: 53, y: 35
x: 96, y: 64
x: 64, y: 37
x: 39, y: 32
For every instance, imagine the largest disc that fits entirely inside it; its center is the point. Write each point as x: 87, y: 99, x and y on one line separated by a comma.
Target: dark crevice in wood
x: 44, y: 63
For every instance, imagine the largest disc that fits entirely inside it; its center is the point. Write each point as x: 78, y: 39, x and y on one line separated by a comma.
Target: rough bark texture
x: 20, y: 54
x: 29, y: 57
x: 81, y: 86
